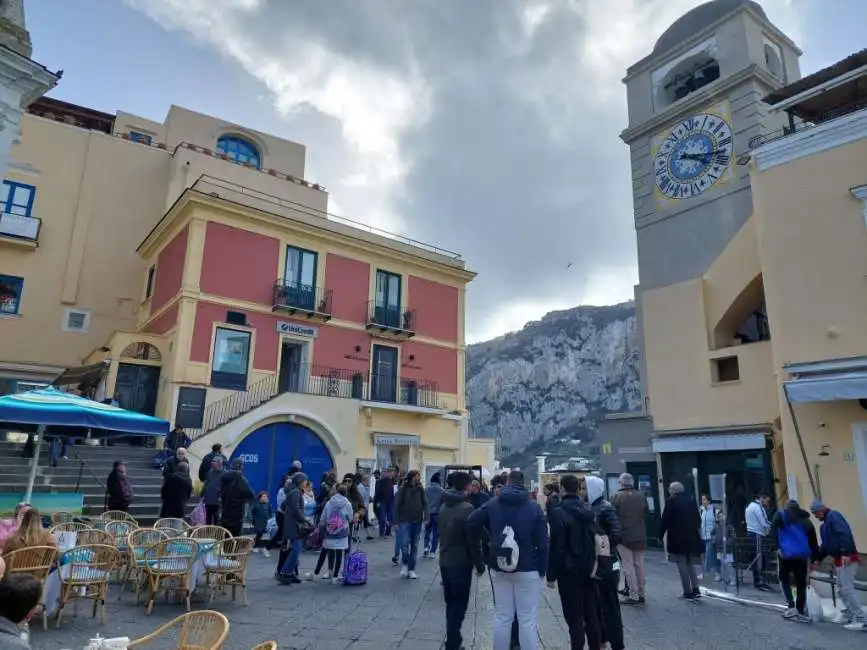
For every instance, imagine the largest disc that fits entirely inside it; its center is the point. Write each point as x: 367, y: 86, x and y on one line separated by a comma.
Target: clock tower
x: 694, y: 104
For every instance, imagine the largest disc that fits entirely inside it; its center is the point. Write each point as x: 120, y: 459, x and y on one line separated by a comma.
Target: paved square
x: 390, y: 613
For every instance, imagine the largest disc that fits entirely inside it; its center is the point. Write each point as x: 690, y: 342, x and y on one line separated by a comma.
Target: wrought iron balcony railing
x: 325, y: 381
x: 296, y: 297
x: 390, y: 318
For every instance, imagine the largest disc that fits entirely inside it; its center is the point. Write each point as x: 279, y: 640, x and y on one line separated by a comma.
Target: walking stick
x: 493, y: 595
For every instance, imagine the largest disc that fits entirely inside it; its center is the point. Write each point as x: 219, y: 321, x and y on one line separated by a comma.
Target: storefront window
x: 231, y: 359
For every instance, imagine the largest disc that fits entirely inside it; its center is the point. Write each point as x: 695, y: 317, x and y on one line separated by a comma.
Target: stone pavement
x: 390, y: 613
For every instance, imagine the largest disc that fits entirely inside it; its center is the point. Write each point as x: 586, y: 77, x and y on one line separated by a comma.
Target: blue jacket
x: 837, y: 538
x: 513, y: 508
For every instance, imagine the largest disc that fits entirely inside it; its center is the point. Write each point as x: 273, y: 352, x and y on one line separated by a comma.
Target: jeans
x: 688, y: 576
x: 796, y: 569
x: 290, y: 564
x: 383, y: 516
x: 519, y: 593
x: 398, y: 544
x: 848, y: 593
x: 457, y: 582
x: 632, y: 566
x: 757, y: 557
x: 410, y: 534
x: 581, y: 610
x: 710, y: 562
x: 431, y: 535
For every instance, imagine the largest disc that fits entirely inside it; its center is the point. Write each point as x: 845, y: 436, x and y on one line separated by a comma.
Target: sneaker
x: 325, y: 576
x: 412, y: 575
x: 403, y: 572
x: 803, y: 618
x: 266, y: 553
x: 369, y: 537
x: 790, y: 613
x: 426, y: 554
x: 395, y: 560
x: 257, y: 550
x: 857, y: 626
x: 632, y: 601
x: 688, y: 596
x: 696, y: 593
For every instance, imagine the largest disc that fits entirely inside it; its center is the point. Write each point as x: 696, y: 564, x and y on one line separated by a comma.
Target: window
x: 10, y: 294
x: 137, y: 136
x: 76, y: 320
x: 17, y: 198
x: 300, y: 278
x: 231, y: 359
x: 383, y: 383
x: 149, y: 283
x: 725, y: 369
x: 239, y: 150
x: 387, y: 303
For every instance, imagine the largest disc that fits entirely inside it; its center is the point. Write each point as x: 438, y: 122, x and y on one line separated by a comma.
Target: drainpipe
x: 801, y: 443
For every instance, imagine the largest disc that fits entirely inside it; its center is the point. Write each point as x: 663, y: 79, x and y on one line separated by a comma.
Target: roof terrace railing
x: 204, y: 180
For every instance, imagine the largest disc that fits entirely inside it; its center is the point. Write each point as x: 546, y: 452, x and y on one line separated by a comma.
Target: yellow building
x: 188, y: 269
x: 752, y: 247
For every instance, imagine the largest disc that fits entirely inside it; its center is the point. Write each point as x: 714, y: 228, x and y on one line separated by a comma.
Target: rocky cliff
x: 542, y: 389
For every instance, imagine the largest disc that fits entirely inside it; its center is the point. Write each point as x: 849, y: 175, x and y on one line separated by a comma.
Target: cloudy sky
x: 487, y: 127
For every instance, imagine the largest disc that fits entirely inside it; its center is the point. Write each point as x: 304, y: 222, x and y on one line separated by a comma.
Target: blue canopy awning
x: 829, y: 387
x: 53, y: 408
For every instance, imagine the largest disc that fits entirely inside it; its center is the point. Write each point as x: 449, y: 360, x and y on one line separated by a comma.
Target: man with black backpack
x: 797, y: 544
x: 573, y: 565
x: 518, y: 558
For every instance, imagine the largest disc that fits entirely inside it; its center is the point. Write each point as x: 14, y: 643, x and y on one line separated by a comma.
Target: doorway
x: 138, y: 386
x: 293, y: 361
x: 646, y: 482
x: 383, y: 383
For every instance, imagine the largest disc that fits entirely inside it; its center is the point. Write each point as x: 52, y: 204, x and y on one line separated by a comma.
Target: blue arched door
x: 269, y: 451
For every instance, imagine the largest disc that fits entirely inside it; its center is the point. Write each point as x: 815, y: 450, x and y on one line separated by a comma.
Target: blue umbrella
x: 51, y: 407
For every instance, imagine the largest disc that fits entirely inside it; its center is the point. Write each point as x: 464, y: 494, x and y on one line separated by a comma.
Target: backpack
x: 591, y: 548
x: 506, y: 546
x: 336, y: 525
x: 792, y: 540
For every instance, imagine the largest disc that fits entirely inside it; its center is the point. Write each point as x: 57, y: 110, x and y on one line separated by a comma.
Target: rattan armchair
x: 169, y: 564
x: 217, y: 533
x: 203, y: 630
x: 133, y: 570
x: 84, y: 574
x: 62, y: 517
x: 37, y: 561
x: 67, y: 527
x: 268, y: 645
x: 118, y: 515
x: 226, y: 566
x: 119, y: 531
x: 172, y: 526
x: 93, y: 536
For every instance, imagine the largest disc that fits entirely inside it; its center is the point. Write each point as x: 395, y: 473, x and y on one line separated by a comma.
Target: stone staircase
x: 86, y: 471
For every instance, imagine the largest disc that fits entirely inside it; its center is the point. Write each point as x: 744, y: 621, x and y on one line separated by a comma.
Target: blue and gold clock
x: 692, y: 156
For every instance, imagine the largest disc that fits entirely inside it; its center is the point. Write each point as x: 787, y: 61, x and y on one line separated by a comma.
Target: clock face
x: 694, y: 155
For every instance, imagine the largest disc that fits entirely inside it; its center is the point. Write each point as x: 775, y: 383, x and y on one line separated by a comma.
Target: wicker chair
x: 118, y: 515
x: 134, y: 568
x: 119, y: 531
x: 93, y: 536
x: 37, y: 561
x: 62, y: 517
x: 84, y: 573
x: 268, y: 645
x: 68, y: 527
x: 169, y: 563
x: 172, y: 527
x: 210, y: 532
x: 204, y: 630
x: 226, y: 566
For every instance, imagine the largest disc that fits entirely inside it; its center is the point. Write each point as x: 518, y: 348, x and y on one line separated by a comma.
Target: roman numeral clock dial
x: 693, y: 156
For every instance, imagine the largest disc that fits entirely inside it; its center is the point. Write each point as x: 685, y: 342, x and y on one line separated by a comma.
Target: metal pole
x: 723, y: 566
x: 800, y: 442
x: 695, y: 485
x: 31, y: 480
x: 818, y: 482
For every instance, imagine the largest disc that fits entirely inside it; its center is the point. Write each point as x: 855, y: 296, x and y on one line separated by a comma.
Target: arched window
x: 688, y: 76
x: 239, y: 150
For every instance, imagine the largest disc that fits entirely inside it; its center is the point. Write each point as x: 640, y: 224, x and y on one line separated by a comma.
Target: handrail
x: 81, y: 469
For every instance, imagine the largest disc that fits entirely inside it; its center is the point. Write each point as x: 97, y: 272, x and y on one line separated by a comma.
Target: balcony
x: 302, y: 299
x: 407, y: 392
x: 20, y: 230
x: 390, y: 319
x: 323, y: 381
